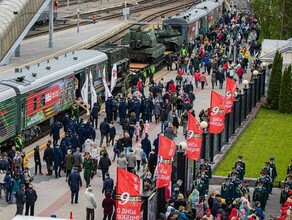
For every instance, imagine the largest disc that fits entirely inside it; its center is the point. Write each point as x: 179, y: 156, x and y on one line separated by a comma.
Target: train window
x: 34, y: 103
x: 43, y: 100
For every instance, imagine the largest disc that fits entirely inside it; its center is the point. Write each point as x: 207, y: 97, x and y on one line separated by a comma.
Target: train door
x: 22, y: 109
x: 79, y: 81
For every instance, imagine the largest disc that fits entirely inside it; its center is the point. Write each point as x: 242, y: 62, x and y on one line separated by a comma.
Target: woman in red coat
x: 140, y: 86
x: 108, y: 206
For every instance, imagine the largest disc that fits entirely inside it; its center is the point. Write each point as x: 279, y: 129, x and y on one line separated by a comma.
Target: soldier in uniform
x: 122, y: 109
x: 234, y: 179
x: 208, y: 168
x: 227, y: 190
x: 242, y: 163
x: 246, y: 188
x: 18, y: 142
x: 239, y: 190
x: 200, y: 185
x: 240, y: 170
x: 205, y: 179
x: 260, y: 195
x: 273, y: 172
x: 87, y: 165
x: 266, y: 181
x: 285, y: 193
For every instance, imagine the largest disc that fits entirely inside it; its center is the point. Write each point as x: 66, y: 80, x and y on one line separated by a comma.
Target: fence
x: 247, y: 98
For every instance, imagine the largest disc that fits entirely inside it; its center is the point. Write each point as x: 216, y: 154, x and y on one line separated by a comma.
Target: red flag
x: 216, y: 121
x: 167, y: 148
x: 128, y: 200
x: 194, y: 138
x: 229, y: 94
x: 166, y: 152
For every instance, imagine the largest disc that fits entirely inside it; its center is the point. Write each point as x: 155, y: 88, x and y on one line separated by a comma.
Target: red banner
x: 194, y: 138
x: 217, y: 115
x: 229, y: 94
x: 166, y: 152
x: 128, y: 200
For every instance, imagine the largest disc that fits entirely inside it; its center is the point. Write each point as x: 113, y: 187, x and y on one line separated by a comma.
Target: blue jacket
x: 20, y: 197
x: 104, y: 127
x: 146, y: 145
x: 57, y: 156
x: 108, y: 185
x: 55, y: 131
x: 74, y: 181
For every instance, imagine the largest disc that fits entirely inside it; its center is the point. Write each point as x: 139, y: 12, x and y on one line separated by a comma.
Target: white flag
x: 107, y: 92
x: 84, y: 90
x: 92, y: 91
x: 114, y: 77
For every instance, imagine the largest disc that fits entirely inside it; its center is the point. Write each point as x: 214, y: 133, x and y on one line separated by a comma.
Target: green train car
x: 34, y: 95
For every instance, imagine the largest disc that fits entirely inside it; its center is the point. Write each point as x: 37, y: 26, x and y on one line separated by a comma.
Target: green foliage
x: 269, y: 15
x: 275, y: 82
x: 269, y: 134
x: 285, y: 98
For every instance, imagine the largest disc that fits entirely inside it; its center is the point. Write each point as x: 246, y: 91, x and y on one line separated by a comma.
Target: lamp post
x: 255, y: 73
x: 245, y: 89
x: 181, y: 164
x: 263, y: 80
x: 204, y: 126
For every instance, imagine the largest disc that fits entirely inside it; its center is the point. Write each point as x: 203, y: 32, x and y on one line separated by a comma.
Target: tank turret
x: 143, y: 45
x: 172, y: 39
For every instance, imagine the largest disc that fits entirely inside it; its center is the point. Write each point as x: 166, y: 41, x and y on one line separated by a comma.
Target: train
x: 177, y: 31
x: 35, y: 95
x: 44, y: 16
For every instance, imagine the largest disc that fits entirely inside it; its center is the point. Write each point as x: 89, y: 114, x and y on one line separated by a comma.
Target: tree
x: 275, y: 81
x: 285, y: 97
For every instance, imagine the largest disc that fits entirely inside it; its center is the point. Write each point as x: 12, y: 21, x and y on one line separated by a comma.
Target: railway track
x: 115, y: 38
x: 106, y: 15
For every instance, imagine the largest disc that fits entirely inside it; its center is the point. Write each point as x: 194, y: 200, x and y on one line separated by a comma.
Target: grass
x: 269, y: 134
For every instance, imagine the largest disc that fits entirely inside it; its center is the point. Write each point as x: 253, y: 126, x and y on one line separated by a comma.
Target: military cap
x: 272, y: 158
x: 240, y: 157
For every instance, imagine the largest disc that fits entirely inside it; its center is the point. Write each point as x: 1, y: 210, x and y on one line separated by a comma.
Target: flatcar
x: 35, y: 94
x: 196, y: 20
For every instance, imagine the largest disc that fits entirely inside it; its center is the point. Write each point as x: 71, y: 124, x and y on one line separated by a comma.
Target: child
x: 137, y: 130
x: 143, y: 160
x: 141, y: 122
x: 146, y: 127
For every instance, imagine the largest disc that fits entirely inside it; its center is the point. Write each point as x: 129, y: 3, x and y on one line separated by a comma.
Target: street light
x: 245, y: 83
x: 255, y: 73
x: 204, y: 126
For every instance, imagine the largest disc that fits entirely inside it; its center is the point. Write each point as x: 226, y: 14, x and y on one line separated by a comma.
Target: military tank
x: 170, y: 38
x: 143, y: 45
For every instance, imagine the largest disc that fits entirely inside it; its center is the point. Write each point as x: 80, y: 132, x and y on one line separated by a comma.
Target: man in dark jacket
x: 109, y: 109
x: 20, y: 200
x: 55, y: 132
x: 37, y: 160
x: 74, y: 182
x: 108, y: 184
x: 57, y: 158
x: 94, y: 114
x: 48, y: 157
x: 30, y: 199
x: 146, y: 145
x: 104, y: 164
x: 123, y: 109
x: 104, y: 131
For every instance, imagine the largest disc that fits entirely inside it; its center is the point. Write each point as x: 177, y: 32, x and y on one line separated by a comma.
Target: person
x: 108, y: 206
x: 260, y: 195
x: 131, y: 158
x: 197, y: 76
x: 208, y: 215
x: 8, y: 186
x: 112, y: 133
x: 68, y: 163
x: 193, y: 199
x: 104, y: 164
x: 146, y: 145
x: 285, y: 193
x: 122, y: 161
x: 108, y: 184
x: 87, y: 165
x: 200, y: 207
x: 30, y: 199
x: 25, y: 162
x: 138, y: 153
x: 137, y: 130
x: 77, y: 159
x: 48, y: 158
x: 55, y: 132
x: 152, y: 161
x: 227, y: 190
x: 74, y: 183
x: 94, y: 114
x: 94, y: 156
x: 37, y: 160
x: 180, y: 201
x: 20, y: 200
x: 259, y: 210
x: 90, y: 204
x: 176, y: 189
x: 199, y: 184
x: 57, y: 158
x: 104, y: 131
x: 127, y: 142
x: 203, y: 80
x: 18, y: 142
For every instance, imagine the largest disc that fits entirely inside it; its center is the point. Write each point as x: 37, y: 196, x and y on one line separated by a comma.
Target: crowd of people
x: 204, y: 61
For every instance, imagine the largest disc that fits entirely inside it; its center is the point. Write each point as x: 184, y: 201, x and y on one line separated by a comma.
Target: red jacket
x: 240, y: 71
x: 197, y: 76
x: 172, y: 88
